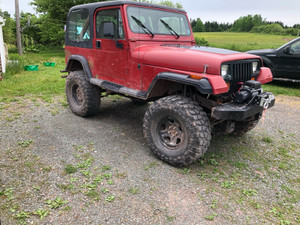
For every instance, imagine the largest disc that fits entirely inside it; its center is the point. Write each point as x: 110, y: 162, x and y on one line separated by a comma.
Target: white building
x: 2, y: 48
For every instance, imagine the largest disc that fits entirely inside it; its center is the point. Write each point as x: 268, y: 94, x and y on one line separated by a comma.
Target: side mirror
x: 109, y: 29
x: 288, y: 50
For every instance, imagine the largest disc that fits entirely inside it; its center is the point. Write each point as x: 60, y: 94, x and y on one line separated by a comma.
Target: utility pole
x: 18, y: 29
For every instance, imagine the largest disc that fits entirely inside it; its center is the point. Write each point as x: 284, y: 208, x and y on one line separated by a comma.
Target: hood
x: 187, y: 58
x: 262, y: 51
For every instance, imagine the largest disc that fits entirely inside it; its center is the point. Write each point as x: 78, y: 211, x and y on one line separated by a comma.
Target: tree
x: 9, y: 35
x: 18, y: 27
x: 53, y: 18
x: 162, y: 2
x: 246, y: 23
x: 199, y: 27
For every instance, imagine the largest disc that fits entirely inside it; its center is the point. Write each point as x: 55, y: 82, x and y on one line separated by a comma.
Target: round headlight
x: 254, y: 66
x: 224, y: 70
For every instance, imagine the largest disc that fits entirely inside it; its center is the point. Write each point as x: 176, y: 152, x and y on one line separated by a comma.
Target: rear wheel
x: 83, y: 97
x: 177, y: 130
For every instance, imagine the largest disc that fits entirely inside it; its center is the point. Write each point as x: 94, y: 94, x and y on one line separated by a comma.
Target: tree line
x: 249, y: 23
x: 48, y: 27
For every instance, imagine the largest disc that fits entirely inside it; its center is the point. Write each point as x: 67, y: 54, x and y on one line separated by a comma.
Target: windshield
x: 153, y: 21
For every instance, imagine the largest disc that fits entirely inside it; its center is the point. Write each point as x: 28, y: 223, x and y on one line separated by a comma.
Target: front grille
x: 240, y: 72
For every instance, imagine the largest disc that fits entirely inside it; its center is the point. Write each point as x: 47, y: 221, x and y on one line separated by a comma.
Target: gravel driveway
x: 58, y: 168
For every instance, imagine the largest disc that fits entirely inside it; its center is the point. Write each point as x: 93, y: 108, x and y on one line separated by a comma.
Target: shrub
x: 201, y: 41
x: 14, y: 65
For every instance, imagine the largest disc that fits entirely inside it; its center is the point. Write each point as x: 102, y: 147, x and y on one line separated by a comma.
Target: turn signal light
x: 197, y: 77
x: 228, y: 85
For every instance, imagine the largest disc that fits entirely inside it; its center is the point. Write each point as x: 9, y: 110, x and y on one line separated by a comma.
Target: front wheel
x: 177, y: 130
x: 242, y: 127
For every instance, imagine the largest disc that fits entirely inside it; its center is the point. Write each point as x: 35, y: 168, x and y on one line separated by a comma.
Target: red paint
x: 265, y: 75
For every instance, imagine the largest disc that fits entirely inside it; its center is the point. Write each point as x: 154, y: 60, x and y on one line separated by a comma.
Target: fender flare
x: 84, y: 64
x: 202, y: 85
x: 268, y: 62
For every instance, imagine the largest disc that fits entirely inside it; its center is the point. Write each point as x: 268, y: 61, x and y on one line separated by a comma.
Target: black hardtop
x: 93, y: 6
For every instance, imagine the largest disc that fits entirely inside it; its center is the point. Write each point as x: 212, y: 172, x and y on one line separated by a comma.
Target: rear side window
x: 78, y: 27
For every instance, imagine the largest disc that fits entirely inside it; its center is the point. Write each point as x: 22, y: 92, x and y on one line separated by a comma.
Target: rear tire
x: 177, y: 130
x: 82, y: 96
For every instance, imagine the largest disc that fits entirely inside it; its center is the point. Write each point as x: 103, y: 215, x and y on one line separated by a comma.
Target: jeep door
x: 288, y: 62
x: 110, y: 49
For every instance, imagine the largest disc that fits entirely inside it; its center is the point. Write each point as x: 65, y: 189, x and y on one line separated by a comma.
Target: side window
x: 109, y: 24
x: 79, y: 28
x: 296, y: 47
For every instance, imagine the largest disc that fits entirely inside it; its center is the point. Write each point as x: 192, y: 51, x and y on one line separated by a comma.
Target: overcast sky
x: 287, y: 11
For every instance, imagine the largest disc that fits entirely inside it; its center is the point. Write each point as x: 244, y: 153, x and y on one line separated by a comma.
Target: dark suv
x: 147, y: 53
x: 284, y: 61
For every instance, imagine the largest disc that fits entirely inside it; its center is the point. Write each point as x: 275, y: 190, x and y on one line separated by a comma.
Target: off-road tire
x: 242, y: 127
x: 83, y: 97
x: 177, y: 130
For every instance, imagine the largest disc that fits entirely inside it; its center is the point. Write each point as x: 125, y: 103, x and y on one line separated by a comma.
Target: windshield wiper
x: 140, y: 23
x: 171, y: 30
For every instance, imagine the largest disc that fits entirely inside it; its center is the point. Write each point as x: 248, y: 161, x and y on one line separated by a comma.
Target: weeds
x: 211, y: 216
x: 55, y: 203
x: 69, y: 169
x: 26, y: 143
x: 133, y: 190
x: 249, y: 192
x: 41, y: 213
x: 110, y: 198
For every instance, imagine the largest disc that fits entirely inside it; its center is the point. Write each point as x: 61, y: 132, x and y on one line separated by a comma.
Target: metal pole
x: 18, y: 29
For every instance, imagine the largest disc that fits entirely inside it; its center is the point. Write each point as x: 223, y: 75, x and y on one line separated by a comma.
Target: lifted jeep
x: 147, y: 52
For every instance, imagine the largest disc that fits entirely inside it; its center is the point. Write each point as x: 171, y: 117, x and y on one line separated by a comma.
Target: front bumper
x: 238, y: 112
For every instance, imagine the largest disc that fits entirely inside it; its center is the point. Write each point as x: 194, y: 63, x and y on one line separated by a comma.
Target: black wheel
x: 242, y: 127
x: 83, y: 97
x: 177, y: 130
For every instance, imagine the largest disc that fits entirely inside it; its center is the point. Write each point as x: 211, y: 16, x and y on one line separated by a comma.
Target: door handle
x: 98, y: 44
x: 119, y: 45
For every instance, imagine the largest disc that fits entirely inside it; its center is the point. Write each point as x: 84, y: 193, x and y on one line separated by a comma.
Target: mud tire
x: 177, y: 130
x: 242, y: 127
x: 82, y: 96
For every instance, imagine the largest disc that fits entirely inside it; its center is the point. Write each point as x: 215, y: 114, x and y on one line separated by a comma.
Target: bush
x: 14, y: 65
x: 274, y: 28
x: 201, y: 41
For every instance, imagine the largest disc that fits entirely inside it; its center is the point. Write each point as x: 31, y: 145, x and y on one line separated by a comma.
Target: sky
x: 222, y: 11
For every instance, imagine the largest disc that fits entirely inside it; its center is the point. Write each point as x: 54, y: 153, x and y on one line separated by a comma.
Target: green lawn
x: 283, y: 88
x: 44, y: 83
x: 243, y: 41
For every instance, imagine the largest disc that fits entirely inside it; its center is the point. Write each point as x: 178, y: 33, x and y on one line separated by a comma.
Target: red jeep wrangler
x: 147, y: 52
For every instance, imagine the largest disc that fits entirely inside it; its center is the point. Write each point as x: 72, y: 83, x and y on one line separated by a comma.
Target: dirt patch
x: 58, y: 168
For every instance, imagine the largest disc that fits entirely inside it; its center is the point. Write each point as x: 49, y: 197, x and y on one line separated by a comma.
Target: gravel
x: 38, y: 140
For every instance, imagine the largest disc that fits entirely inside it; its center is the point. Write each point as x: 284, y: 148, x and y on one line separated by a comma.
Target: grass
x: 243, y: 41
x: 44, y: 83
x: 283, y: 88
